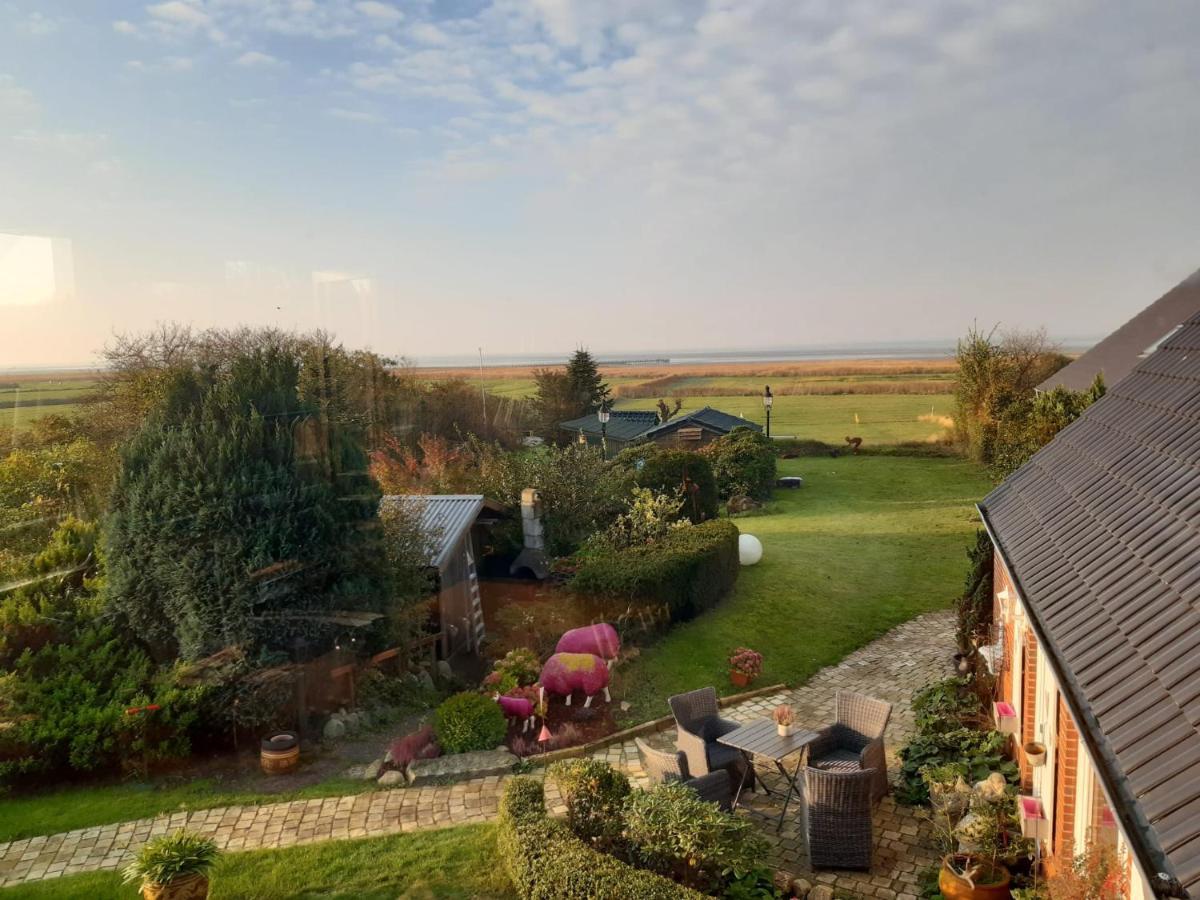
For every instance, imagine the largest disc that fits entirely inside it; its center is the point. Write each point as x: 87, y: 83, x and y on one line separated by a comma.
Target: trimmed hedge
x: 468, y: 721
x: 547, y: 862
x: 688, y: 571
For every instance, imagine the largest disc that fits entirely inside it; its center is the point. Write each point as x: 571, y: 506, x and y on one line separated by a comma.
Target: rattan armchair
x: 699, y: 725
x: 839, y: 818
x: 666, y: 766
x: 855, y: 740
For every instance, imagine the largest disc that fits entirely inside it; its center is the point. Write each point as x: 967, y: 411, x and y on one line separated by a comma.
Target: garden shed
x: 456, y: 526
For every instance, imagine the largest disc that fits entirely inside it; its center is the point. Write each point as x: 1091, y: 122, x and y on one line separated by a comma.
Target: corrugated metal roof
x: 623, y: 425
x: 709, y: 418
x: 1101, y: 529
x: 1117, y: 355
x: 444, y: 518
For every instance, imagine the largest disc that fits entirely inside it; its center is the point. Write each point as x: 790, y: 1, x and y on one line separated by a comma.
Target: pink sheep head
x: 599, y: 640
x: 565, y: 673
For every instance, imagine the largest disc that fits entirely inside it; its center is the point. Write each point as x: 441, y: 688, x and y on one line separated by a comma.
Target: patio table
x: 761, y: 738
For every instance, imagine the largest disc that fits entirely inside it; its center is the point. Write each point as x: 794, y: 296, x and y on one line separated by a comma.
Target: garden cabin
x: 628, y: 427
x: 1097, y: 623
x: 625, y: 427
x: 456, y: 526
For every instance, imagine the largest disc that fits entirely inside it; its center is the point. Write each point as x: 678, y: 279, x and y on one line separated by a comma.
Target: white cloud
x: 122, y: 26
x: 380, y: 12
x: 178, y: 12
x: 256, y: 59
x: 353, y: 115
x: 428, y: 33
x: 14, y: 98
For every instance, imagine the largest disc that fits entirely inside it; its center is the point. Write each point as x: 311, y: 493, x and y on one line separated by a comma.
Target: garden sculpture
x: 565, y: 673
x: 517, y: 708
x: 599, y: 640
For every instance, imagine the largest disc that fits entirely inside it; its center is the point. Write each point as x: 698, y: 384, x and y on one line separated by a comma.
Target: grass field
x: 80, y: 807
x: 453, y: 863
x: 867, y: 543
x: 876, y: 418
x: 25, y: 398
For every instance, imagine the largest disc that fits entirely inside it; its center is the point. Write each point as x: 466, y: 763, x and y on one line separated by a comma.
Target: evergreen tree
x: 587, y: 388
x: 243, y: 514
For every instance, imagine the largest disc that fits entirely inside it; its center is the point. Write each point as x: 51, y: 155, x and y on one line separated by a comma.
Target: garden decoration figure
x: 565, y: 673
x: 750, y: 549
x: 599, y: 640
x: 520, y: 708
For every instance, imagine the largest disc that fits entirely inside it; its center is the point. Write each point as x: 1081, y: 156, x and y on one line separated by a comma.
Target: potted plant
x: 949, y: 793
x: 979, y: 849
x: 785, y: 719
x: 744, y: 666
x: 968, y: 876
x: 174, y: 867
x: 1035, y: 753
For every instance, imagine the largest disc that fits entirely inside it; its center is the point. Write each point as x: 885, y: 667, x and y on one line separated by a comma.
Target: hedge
x: 665, y: 471
x: 743, y: 463
x: 688, y: 571
x: 547, y: 862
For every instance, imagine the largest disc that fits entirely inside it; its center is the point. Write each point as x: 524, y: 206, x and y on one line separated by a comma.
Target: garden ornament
x: 599, y: 640
x: 750, y: 549
x: 517, y: 708
x: 565, y: 673
x: 993, y: 788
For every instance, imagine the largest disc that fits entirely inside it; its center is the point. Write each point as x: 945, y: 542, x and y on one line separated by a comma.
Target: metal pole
x: 482, y: 392
x: 604, y: 440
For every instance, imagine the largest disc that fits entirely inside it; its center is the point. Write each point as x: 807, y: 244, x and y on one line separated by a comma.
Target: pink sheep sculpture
x: 599, y: 640
x: 517, y: 708
x: 564, y: 673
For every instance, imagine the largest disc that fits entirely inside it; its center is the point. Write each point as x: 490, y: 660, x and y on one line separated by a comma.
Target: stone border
x: 650, y: 727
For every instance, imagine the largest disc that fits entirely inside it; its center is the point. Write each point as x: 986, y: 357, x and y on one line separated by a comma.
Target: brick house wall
x: 1028, y: 675
x: 1066, y: 761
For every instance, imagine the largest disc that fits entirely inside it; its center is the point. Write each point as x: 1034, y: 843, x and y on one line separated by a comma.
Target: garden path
x: 891, y: 668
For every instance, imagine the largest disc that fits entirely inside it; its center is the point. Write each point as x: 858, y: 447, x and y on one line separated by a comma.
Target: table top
x: 761, y: 738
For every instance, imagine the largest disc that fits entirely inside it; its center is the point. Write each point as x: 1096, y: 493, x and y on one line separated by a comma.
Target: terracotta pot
x: 193, y: 887
x: 280, y: 753
x: 741, y: 679
x: 1035, y: 753
x: 955, y: 887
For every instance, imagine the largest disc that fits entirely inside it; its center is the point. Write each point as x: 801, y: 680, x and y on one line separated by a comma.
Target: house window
x: 1102, y: 827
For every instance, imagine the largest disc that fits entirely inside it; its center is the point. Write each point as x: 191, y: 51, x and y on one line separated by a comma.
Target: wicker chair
x: 700, y: 724
x: 665, y: 766
x: 839, y: 817
x: 855, y: 740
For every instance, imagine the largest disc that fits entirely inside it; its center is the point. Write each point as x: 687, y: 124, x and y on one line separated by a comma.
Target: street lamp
x: 603, y: 415
x: 768, y: 399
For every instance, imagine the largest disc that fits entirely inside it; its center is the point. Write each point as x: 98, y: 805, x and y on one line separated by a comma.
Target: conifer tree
x: 587, y: 387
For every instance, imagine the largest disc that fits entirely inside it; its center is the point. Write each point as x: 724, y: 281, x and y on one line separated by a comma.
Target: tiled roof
x: 712, y: 419
x: 444, y: 518
x: 1116, y: 355
x: 624, y: 425
x: 1101, y: 530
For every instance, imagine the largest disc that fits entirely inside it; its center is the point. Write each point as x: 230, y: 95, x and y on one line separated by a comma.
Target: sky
x: 527, y: 176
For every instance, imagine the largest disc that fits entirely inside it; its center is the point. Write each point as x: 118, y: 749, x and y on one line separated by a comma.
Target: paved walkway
x: 891, y: 668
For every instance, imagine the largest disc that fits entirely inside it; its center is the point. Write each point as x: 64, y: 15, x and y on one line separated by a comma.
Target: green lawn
x: 876, y: 418
x: 23, y: 401
x: 867, y: 543
x: 80, y: 807
x: 454, y: 862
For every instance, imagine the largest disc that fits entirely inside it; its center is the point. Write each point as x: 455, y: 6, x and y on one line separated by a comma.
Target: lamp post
x: 603, y: 415
x: 768, y: 399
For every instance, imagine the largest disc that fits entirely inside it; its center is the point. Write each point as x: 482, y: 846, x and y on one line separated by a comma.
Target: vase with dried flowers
x: 785, y: 719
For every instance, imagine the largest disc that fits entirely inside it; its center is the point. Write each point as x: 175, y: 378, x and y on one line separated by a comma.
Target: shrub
x: 467, y: 722
x: 946, y: 705
x: 743, y: 464
x: 679, y: 835
x: 595, y: 793
x: 667, y: 471
x: 974, y: 612
x: 546, y: 862
x: 522, y: 665
x: 649, y: 518
x: 173, y: 857
x: 688, y: 571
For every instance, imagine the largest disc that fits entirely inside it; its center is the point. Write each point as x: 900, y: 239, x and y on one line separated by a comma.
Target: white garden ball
x: 749, y: 549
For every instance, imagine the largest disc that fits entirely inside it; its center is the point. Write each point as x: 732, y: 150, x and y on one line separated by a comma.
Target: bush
x: 173, y: 857
x: 666, y: 471
x: 679, y: 835
x: 687, y: 572
x: 743, y: 463
x: 595, y: 794
x: 974, y: 612
x: 467, y: 722
x: 521, y: 665
x: 546, y: 862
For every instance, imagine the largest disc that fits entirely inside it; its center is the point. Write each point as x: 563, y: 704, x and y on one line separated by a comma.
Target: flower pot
x: 191, y: 887
x: 741, y: 679
x: 955, y: 887
x: 963, y: 663
x: 784, y: 730
x: 1035, y: 753
x: 280, y: 753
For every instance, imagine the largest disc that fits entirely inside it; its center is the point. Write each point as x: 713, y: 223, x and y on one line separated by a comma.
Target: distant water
x: 892, y: 350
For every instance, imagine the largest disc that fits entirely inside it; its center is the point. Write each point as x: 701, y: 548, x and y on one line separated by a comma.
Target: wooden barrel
x: 280, y: 753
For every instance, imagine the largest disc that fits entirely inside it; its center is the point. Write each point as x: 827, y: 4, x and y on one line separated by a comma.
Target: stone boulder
x: 460, y: 766
x: 391, y: 779
x: 335, y: 729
